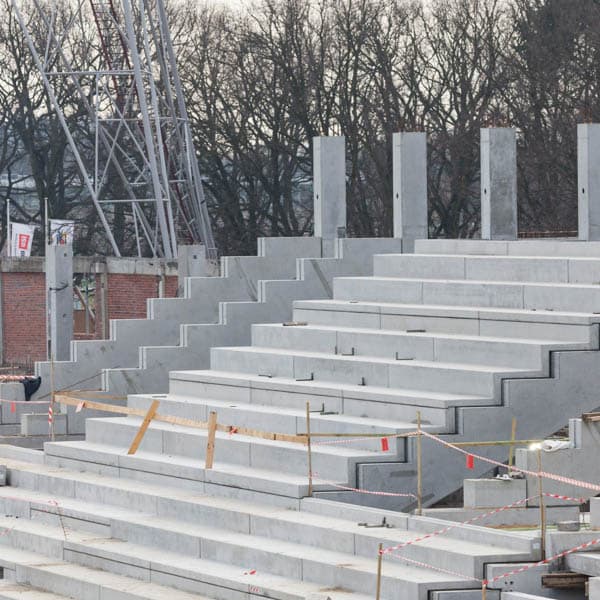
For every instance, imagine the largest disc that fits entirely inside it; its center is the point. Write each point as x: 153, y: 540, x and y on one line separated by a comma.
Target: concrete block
x: 498, y: 184
x: 329, y: 183
x: 410, y: 187
x: 493, y: 493
x: 588, y: 180
x: 37, y: 424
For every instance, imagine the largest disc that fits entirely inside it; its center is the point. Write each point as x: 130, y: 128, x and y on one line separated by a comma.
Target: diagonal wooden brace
x: 139, y: 436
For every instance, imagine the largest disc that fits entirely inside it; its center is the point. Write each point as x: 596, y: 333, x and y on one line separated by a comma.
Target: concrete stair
x: 85, y: 535
x: 428, y: 332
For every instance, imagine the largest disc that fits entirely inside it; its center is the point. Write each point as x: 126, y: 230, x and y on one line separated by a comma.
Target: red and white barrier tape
x: 567, y: 498
x: 541, y: 563
x: 560, y: 478
x: 378, y: 438
x: 361, y: 491
x: 455, y: 525
x: 418, y: 563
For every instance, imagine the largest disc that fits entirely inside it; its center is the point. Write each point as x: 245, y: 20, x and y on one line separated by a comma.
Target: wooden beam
x: 564, y: 581
x: 143, y: 427
x: 210, y: 442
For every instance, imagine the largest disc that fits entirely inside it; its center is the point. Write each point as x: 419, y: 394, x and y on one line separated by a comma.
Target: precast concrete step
x: 268, y: 543
x: 15, y: 591
x: 497, y: 294
x: 283, y: 420
x: 89, y: 501
x: 528, y: 324
x: 546, y: 269
x: 331, y: 461
x: 436, y: 376
x: 372, y: 401
x: 117, y: 564
x: 225, y: 479
x: 430, y: 346
x: 587, y: 563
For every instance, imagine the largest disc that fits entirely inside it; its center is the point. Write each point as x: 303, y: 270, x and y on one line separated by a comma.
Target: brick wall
x: 127, y: 294
x: 23, y: 317
x: 23, y: 298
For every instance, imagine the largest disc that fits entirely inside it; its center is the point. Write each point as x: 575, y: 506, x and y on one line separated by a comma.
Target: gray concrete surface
x: 498, y: 184
x: 588, y: 181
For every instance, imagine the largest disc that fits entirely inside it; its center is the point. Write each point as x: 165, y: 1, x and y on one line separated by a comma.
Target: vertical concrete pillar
x: 329, y: 187
x: 410, y: 188
x: 498, y: 184
x: 191, y: 262
x: 588, y: 180
x: 59, y: 285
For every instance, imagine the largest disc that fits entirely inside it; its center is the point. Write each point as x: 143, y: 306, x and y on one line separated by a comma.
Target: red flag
x: 13, y: 407
x: 385, y: 446
x: 470, y: 462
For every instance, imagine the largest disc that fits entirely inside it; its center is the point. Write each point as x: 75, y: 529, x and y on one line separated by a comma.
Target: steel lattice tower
x: 143, y: 152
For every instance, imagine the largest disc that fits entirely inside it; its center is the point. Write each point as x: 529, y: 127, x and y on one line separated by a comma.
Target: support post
x: 483, y: 591
x: 513, y: 437
x: 542, y: 504
x: 51, y: 415
x: 59, y: 283
x: 309, y: 451
x: 498, y: 184
x: 419, y: 466
x: 410, y: 188
x: 588, y: 180
x: 210, y: 440
x: 379, y: 566
x: 329, y: 187
x: 139, y: 436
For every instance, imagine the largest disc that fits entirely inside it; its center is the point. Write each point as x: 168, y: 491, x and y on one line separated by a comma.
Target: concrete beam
x: 59, y: 286
x: 329, y: 186
x: 588, y: 180
x: 498, y: 184
x: 410, y: 188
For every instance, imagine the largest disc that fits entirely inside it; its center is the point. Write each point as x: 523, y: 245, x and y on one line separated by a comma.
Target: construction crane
x: 144, y: 161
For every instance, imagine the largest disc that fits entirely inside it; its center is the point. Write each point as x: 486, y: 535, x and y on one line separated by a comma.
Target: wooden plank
x: 564, y: 581
x: 210, y: 442
x: 143, y: 427
x: 591, y: 417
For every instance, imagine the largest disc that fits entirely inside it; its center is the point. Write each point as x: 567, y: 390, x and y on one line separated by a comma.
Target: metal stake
x: 309, y: 451
x: 542, y: 504
x: 379, y: 564
x: 419, y: 466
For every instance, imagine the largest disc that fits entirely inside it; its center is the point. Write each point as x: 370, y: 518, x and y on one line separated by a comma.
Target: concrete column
x: 59, y: 285
x: 329, y: 187
x: 588, y: 180
x: 410, y: 188
x: 498, y: 184
x: 191, y: 262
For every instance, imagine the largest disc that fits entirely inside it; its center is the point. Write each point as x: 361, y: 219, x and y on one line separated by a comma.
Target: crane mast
x: 143, y: 167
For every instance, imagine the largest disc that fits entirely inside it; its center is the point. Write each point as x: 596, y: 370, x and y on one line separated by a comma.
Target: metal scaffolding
x: 143, y: 155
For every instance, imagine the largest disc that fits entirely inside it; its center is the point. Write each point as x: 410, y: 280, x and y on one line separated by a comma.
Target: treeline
x: 263, y: 80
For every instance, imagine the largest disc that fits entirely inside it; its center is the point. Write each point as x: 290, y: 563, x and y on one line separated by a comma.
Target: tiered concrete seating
x: 469, y: 341
x: 81, y: 535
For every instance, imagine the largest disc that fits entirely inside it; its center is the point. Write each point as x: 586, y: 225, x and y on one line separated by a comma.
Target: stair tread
x: 425, y: 334
x: 428, y: 364
x: 16, y: 591
x: 137, y: 555
x: 202, y: 375
x: 560, y: 316
x: 69, y: 507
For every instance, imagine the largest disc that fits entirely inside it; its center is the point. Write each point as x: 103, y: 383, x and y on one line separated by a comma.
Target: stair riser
x: 488, y: 268
x: 419, y: 347
x: 352, y: 372
x: 228, y: 449
x: 213, y: 516
x: 498, y: 295
x: 453, y: 325
x: 398, y: 407
x: 244, y: 416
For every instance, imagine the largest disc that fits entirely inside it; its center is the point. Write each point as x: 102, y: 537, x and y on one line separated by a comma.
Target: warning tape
x: 455, y: 525
x: 541, y: 563
x: 381, y: 437
x: 362, y: 491
x: 418, y: 563
x: 560, y: 478
x: 567, y: 498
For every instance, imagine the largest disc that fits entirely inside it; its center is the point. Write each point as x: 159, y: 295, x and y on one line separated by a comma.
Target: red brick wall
x: 23, y: 317
x: 24, y: 309
x: 127, y: 295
